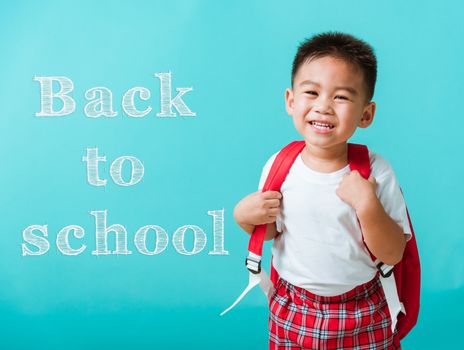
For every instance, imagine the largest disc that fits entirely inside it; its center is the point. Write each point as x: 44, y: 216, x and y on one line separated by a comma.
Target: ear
x: 368, y: 115
x: 289, y: 101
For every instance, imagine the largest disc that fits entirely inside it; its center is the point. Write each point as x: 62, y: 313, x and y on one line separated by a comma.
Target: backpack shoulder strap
x: 281, y: 165
x: 279, y: 170
x: 358, y: 158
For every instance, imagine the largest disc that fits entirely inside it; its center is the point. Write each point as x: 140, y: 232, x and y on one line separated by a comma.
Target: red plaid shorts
x: 358, y: 319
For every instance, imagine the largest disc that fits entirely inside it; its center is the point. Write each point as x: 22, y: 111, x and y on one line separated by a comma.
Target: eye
x: 311, y: 92
x: 342, y: 97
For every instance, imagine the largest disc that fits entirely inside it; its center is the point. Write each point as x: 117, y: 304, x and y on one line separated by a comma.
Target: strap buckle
x: 384, y: 269
x: 253, y: 263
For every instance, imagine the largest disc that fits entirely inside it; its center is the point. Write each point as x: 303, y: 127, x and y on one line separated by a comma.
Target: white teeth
x: 321, y: 126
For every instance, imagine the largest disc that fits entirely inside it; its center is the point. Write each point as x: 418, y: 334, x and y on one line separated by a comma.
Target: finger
x: 274, y: 212
x: 272, y: 195
x: 272, y: 203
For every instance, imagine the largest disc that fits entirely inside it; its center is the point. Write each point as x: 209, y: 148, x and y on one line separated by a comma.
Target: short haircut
x: 343, y: 46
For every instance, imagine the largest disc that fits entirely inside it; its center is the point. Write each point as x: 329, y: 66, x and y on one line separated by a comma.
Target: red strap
x: 279, y: 170
x: 358, y: 157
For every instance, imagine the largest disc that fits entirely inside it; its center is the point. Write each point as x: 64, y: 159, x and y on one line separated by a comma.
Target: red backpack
x: 406, y: 273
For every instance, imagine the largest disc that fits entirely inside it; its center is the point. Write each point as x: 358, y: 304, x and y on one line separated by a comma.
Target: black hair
x: 340, y: 45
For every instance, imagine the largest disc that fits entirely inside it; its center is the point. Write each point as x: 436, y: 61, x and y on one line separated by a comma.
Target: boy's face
x: 328, y: 102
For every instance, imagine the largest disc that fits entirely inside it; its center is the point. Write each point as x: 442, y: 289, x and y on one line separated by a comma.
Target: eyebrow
x: 347, y: 88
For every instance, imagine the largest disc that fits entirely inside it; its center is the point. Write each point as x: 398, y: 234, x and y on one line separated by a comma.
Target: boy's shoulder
x: 380, y: 167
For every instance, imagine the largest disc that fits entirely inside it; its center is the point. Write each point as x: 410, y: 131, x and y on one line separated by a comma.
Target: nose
x: 323, y: 105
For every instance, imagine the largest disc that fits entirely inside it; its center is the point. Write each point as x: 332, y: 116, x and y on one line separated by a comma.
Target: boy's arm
x: 383, y: 236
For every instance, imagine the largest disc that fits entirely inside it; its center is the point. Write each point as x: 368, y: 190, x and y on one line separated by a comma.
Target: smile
x: 321, y: 126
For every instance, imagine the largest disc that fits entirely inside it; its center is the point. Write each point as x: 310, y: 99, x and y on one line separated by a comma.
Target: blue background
x: 237, y: 57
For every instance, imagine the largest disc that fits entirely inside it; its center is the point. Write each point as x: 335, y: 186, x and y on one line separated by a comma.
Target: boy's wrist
x: 366, y: 205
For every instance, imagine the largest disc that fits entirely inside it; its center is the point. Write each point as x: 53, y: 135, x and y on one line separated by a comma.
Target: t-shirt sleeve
x: 389, y: 192
x: 262, y: 180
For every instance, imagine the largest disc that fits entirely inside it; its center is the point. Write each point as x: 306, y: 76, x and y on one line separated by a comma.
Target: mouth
x: 321, y: 125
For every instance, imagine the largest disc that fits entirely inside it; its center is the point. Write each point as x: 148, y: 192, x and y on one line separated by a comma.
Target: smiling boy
x: 329, y: 294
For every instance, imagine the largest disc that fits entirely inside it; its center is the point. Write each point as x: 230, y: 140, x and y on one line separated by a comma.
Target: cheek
x: 302, y: 105
x: 298, y: 122
x: 345, y: 109
x: 348, y: 113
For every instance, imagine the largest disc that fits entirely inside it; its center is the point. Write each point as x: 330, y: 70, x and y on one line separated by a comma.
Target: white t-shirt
x: 321, y: 247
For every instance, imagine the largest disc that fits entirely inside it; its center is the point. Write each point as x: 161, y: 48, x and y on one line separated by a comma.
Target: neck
x: 326, y: 159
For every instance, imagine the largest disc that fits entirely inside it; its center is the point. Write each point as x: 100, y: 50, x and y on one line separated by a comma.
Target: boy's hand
x: 357, y: 191
x: 258, y: 208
